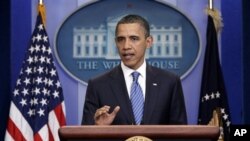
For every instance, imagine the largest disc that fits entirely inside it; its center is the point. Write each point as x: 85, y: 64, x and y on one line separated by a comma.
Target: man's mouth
x: 128, y: 56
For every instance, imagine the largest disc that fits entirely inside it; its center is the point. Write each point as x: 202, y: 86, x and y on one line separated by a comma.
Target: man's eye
x: 119, y: 39
x: 134, y: 38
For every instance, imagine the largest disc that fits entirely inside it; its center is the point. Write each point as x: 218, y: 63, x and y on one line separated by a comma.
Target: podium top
x: 151, y: 131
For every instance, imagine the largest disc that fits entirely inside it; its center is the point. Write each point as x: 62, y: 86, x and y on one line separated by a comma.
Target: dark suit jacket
x: 164, y: 101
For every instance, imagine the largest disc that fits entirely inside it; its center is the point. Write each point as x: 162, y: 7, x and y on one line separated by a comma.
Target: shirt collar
x: 127, y: 71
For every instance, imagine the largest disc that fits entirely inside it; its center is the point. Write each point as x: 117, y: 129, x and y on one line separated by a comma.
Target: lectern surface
x: 154, y: 132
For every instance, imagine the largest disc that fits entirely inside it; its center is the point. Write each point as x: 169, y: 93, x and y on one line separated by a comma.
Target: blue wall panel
x: 231, y: 54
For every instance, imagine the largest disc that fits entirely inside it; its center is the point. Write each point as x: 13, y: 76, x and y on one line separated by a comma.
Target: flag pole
x: 40, y: 2
x: 41, y: 10
x: 210, y: 3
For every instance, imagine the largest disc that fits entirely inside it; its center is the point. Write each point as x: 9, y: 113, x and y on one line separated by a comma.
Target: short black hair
x: 135, y: 19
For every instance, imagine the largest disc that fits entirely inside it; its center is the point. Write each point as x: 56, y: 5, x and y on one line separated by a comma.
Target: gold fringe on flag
x: 215, y: 14
x: 216, y: 121
x: 41, y: 10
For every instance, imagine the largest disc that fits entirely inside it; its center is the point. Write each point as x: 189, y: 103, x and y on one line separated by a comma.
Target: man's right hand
x: 103, y: 117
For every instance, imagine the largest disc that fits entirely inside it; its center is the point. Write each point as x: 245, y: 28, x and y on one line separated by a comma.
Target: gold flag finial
x: 41, y: 10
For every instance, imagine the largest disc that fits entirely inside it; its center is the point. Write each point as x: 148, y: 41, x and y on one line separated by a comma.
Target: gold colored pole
x: 41, y: 10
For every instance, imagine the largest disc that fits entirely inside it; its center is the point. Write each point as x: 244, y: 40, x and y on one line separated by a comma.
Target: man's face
x: 132, y: 44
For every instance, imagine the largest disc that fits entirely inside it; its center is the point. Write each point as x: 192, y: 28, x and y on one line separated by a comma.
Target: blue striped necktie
x: 137, y: 99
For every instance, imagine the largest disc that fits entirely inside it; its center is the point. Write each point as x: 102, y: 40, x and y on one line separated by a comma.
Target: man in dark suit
x: 109, y: 96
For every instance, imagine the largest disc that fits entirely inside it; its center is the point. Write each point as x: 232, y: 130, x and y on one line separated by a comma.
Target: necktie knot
x: 135, y: 76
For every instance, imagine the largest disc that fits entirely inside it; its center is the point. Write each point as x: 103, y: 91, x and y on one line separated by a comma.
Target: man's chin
x: 130, y: 64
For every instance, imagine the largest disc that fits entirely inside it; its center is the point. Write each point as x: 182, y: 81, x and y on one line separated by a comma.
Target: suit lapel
x: 151, y: 94
x: 118, y: 86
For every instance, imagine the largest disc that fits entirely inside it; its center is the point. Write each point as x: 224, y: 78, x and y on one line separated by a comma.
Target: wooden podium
x: 154, y: 132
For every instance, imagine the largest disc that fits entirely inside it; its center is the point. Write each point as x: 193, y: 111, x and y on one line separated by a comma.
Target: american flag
x: 37, y: 108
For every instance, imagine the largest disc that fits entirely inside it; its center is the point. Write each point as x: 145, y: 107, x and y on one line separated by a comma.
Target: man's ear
x: 149, y: 41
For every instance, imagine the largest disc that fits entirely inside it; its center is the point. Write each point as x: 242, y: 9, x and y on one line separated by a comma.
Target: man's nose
x: 127, y: 44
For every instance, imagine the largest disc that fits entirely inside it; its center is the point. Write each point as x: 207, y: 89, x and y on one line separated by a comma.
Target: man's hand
x: 103, y: 117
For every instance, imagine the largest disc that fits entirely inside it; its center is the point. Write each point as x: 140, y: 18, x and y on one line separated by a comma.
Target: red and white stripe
x: 19, y: 129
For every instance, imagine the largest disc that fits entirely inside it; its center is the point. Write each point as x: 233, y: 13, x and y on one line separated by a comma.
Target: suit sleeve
x: 178, y: 110
x: 90, y: 105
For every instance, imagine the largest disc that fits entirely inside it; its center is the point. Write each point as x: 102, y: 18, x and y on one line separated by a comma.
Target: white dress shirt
x: 127, y: 72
